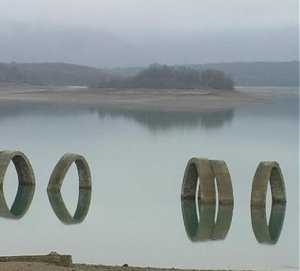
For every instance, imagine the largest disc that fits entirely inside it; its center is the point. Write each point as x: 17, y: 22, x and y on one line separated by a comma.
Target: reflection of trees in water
x: 156, y: 120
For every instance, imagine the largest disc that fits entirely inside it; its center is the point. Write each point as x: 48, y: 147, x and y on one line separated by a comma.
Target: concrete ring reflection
x: 63, y: 165
x: 268, y: 172
x: 21, y: 202
x: 61, y: 210
x: 26, y: 185
x: 268, y: 233
x: 205, y: 227
x: 207, y: 171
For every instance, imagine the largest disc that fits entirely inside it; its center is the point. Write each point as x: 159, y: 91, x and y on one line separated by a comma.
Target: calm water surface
x: 137, y: 161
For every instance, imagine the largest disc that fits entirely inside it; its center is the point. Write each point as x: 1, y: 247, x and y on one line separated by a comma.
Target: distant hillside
x: 51, y: 74
x: 259, y: 73
x: 243, y: 74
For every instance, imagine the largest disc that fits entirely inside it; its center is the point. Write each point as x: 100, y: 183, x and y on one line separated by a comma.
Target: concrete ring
x: 26, y: 185
x: 22, y: 166
x: 63, y: 165
x: 55, y: 183
x: 207, y: 171
x: 198, y: 168
x: 223, y: 181
x: 268, y: 172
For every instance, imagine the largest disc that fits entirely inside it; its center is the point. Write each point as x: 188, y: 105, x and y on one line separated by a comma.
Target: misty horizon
x: 104, y: 49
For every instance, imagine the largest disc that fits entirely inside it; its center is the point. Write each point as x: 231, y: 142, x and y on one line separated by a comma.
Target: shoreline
x: 42, y: 266
x: 167, y: 100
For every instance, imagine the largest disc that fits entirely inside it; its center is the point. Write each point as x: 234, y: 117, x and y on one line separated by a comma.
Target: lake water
x: 137, y: 161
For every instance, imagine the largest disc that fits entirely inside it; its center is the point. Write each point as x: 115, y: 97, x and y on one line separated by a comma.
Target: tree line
x: 158, y: 76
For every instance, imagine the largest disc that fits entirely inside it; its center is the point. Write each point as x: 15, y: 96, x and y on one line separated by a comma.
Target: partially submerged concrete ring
x: 26, y: 185
x: 63, y: 165
x: 85, y: 186
x: 61, y: 210
x: 206, y: 171
x: 198, y: 168
x: 268, y: 172
x: 223, y: 181
x: 22, y: 166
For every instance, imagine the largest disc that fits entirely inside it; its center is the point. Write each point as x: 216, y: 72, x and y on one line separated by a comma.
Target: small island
x: 158, y: 76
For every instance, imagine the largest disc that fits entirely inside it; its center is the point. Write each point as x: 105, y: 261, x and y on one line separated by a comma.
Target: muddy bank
x: 172, y: 100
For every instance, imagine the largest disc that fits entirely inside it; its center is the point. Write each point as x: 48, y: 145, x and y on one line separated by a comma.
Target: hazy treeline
x: 51, y: 74
x: 163, y: 77
x: 243, y: 74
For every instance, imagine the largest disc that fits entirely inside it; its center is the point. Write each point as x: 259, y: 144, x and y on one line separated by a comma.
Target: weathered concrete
x: 52, y: 258
x: 21, y: 202
x: 268, y: 171
x: 204, y: 227
x: 22, y: 165
x: 207, y: 171
x: 223, y: 181
x: 26, y: 186
x: 265, y: 232
x: 198, y: 168
x: 61, y: 211
x: 223, y: 222
x: 63, y: 166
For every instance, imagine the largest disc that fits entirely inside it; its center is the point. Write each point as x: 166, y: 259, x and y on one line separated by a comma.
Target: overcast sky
x: 153, y: 15
x: 140, y: 32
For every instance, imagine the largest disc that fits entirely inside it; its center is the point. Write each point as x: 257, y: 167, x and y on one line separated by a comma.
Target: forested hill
x: 51, y: 74
x: 168, y: 77
x: 243, y: 74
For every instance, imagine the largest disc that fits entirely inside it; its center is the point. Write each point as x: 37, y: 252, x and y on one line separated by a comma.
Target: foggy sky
x: 140, y: 32
x: 137, y: 15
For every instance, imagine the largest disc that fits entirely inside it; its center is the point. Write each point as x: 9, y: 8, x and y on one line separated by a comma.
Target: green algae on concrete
x: 206, y: 171
x: 22, y: 166
x: 63, y: 165
x: 268, y: 172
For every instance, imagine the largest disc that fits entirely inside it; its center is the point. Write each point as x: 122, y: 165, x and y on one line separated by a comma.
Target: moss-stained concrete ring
x: 61, y: 210
x: 223, y: 181
x: 21, y: 203
x: 265, y: 232
x: 22, y: 165
x: 198, y: 168
x: 63, y: 166
x: 204, y: 227
x: 268, y: 172
x: 207, y: 171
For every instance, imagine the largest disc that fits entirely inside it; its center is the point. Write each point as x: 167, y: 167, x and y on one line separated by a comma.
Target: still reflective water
x: 137, y: 161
